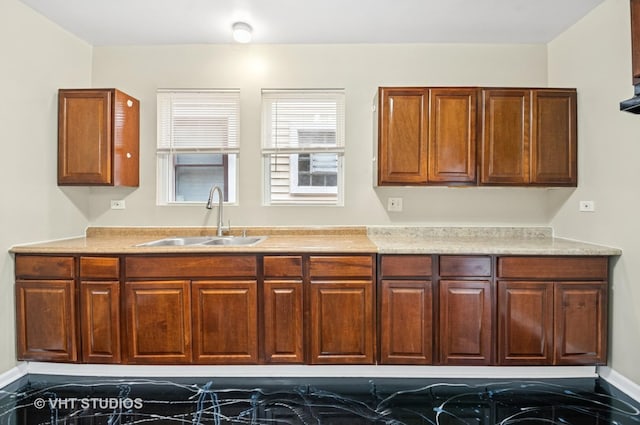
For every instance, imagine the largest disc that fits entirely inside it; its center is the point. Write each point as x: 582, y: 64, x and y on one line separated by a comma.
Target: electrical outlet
x: 394, y: 204
x: 117, y: 205
x: 587, y: 206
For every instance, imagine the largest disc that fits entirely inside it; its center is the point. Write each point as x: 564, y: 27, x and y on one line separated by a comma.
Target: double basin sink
x: 206, y: 241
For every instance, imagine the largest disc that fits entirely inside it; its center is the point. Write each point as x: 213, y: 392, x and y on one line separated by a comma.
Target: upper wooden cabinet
x: 448, y: 135
x: 528, y: 137
x: 426, y: 136
x: 98, y: 137
x: 635, y: 40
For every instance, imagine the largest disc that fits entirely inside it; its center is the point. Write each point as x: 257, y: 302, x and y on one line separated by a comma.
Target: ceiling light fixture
x: 242, y: 32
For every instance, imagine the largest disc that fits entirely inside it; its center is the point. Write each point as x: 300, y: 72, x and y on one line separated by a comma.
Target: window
x: 198, y: 144
x: 303, y: 146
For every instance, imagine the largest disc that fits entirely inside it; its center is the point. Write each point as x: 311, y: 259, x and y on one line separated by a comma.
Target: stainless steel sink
x: 235, y: 240
x: 206, y: 240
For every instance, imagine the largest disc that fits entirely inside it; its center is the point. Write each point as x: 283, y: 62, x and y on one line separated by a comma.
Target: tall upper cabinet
x: 469, y: 136
x: 528, y: 137
x: 426, y: 136
x: 98, y: 138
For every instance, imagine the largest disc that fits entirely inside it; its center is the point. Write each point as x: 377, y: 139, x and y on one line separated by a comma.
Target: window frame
x: 224, y: 104
x: 302, y: 194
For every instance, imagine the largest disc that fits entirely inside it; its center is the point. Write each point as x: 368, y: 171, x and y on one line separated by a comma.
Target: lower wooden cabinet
x: 341, y: 309
x: 100, y: 324
x: 225, y: 322
x: 342, y: 322
x: 465, y: 322
x: 580, y: 323
x: 406, y: 322
x: 552, y: 310
x: 158, y: 322
x: 314, y: 309
x: 525, y: 320
x: 283, y: 321
x: 46, y: 320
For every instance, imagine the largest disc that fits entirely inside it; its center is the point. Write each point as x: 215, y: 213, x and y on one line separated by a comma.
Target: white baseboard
x: 621, y: 382
x: 301, y: 371
x: 13, y: 374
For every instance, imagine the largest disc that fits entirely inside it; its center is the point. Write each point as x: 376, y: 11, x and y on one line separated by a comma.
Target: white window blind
x: 297, y: 121
x: 200, y: 121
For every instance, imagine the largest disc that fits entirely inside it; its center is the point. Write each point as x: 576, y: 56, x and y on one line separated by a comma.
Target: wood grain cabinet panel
x: 465, y: 322
x: 283, y: 321
x: 158, y: 322
x: 554, y: 138
x: 225, y: 322
x: 342, y: 322
x: 525, y: 334
x: 452, y: 135
x: 580, y: 323
x: 98, y: 137
x: 46, y: 320
x: 44, y: 267
x: 405, y: 265
x: 406, y: 322
x: 403, y: 131
x: 506, y: 134
x: 100, y: 325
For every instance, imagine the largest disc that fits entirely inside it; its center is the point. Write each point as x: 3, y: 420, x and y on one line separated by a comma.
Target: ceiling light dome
x: 242, y: 32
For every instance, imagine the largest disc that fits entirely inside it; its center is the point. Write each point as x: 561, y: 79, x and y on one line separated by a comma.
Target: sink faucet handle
x: 244, y: 233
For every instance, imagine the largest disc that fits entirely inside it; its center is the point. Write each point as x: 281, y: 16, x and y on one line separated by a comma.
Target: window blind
x: 297, y: 121
x: 200, y: 121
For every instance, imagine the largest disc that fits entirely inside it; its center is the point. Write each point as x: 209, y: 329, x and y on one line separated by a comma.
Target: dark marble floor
x: 42, y: 399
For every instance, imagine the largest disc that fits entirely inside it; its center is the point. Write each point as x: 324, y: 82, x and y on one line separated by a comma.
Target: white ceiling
x: 141, y: 22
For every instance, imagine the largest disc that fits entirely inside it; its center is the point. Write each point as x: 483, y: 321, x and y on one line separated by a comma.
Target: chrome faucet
x: 213, y: 190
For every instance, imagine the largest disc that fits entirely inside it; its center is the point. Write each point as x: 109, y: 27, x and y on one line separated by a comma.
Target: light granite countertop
x: 480, y: 240
x: 356, y: 239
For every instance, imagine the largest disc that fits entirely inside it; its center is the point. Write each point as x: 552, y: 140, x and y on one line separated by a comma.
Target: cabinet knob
x: 129, y: 155
x: 129, y: 103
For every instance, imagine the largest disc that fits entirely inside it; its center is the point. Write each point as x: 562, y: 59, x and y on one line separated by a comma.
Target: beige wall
x: 595, y: 56
x: 37, y: 58
x: 359, y: 69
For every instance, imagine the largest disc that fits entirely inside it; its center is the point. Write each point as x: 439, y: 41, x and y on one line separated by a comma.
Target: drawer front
x: 100, y: 267
x: 406, y: 265
x: 341, y: 266
x: 553, y: 267
x: 465, y: 265
x: 191, y: 266
x: 44, y: 267
x: 283, y: 266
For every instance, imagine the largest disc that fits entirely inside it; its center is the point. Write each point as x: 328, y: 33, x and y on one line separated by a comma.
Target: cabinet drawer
x: 553, y: 267
x: 44, y: 267
x: 191, y: 266
x: 405, y: 265
x: 461, y: 265
x: 341, y: 266
x: 100, y: 267
x: 283, y: 266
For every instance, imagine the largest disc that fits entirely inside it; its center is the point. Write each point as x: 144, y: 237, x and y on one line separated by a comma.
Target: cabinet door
x: 635, y: 40
x: 406, y: 322
x: 342, y: 322
x: 554, y: 138
x: 100, y: 326
x: 158, y: 322
x: 225, y: 321
x: 580, y: 323
x: 402, y: 135
x: 506, y: 122
x: 283, y: 321
x: 452, y: 135
x: 84, y: 137
x: 46, y: 320
x: 465, y: 322
x: 525, y: 323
